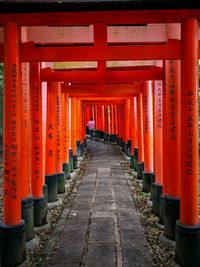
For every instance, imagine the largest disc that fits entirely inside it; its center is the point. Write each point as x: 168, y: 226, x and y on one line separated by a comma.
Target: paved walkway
x: 102, y: 228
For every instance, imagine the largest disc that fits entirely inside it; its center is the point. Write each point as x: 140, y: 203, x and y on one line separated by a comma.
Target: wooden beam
x: 96, y: 76
x: 169, y: 50
x: 100, y: 99
x: 30, y: 53
x: 101, y: 102
x: 108, y: 17
x: 102, y: 90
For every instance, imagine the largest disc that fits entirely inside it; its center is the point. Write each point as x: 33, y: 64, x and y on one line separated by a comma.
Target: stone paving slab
x: 101, y: 225
x: 102, y: 228
x: 100, y: 255
x: 70, y: 247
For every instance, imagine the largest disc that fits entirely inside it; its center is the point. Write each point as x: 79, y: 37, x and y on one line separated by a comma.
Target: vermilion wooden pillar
x: 93, y: 113
x: 65, y: 135
x: 124, y: 124
x: 25, y: 130
x: 140, y: 163
x: 124, y: 121
x: 128, y: 126
x: 59, y: 165
x: 95, y: 116
x: 131, y: 122
x: 87, y: 115
x: 83, y: 137
x: 27, y: 199
x: 36, y: 146
x: 44, y: 119
x: 165, y: 157
x: 158, y: 145
x: 73, y: 130
x: 148, y: 135
x: 58, y: 128
x: 115, y: 119
x: 51, y: 141
x: 172, y: 199
x: 12, y: 250
x: 188, y: 228
x: 97, y: 132
x: 103, y: 118
x: 100, y: 117
x: 70, y: 135
x: 79, y: 128
x: 135, y: 133
x: 12, y: 128
x: 111, y: 119
x: 106, y: 122
x: 132, y: 132
x: 112, y: 123
x: 106, y: 118
x: 119, y: 118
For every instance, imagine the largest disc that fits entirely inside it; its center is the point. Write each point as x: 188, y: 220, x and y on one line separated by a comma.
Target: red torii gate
x: 188, y: 227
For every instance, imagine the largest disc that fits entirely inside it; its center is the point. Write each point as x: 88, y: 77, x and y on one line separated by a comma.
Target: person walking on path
x: 91, y: 128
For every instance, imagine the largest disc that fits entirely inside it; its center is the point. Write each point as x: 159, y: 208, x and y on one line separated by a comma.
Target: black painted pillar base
x: 40, y: 211
x: 132, y: 162
x: 81, y: 149
x: 100, y: 134
x: 28, y: 217
x: 75, y: 162
x: 140, y: 169
x: 123, y: 146
x: 97, y: 134
x: 146, y: 180
x: 155, y: 195
x: 78, y: 148
x: 52, y: 183
x: 85, y: 143
x: 61, y: 182
x: 152, y: 182
x: 162, y: 210
x: 187, y: 245
x: 126, y: 148
x: 71, y: 159
x: 111, y: 138
x: 117, y: 140
x: 104, y: 136
x: 120, y: 142
x: 129, y: 148
x: 67, y: 170
x: 12, y: 244
x: 45, y: 192
x: 172, y: 214
x: 135, y: 158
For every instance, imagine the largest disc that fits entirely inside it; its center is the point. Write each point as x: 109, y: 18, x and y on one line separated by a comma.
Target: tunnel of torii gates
x: 151, y: 111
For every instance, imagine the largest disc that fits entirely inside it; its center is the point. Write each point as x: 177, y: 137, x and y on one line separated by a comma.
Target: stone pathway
x: 102, y: 228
